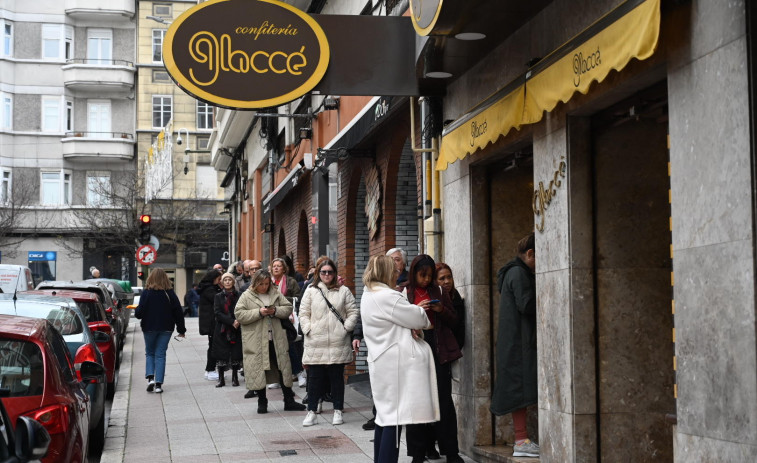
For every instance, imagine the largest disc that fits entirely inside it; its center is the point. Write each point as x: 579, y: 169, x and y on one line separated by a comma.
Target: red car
x: 94, y: 312
x: 37, y: 370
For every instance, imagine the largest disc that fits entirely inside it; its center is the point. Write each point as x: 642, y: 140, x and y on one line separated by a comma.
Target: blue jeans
x: 156, y: 345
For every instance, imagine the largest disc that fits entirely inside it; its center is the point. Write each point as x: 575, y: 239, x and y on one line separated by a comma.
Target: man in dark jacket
x: 515, y: 388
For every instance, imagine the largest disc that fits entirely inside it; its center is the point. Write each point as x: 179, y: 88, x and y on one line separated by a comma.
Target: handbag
x: 333, y: 310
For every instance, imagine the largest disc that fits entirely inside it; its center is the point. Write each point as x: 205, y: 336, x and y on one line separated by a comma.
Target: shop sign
x: 246, y: 54
x: 425, y: 13
x: 543, y: 196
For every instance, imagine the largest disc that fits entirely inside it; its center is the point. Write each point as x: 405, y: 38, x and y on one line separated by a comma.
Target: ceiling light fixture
x: 470, y: 36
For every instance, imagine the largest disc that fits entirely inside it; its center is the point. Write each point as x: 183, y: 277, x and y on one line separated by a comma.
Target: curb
x: 115, y: 434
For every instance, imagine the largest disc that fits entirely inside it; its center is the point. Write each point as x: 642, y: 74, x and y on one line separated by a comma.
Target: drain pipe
x: 429, y: 174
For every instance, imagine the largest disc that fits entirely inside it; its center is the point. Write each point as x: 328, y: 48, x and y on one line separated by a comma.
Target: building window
x: 160, y: 76
x: 161, y: 111
x: 157, y: 45
x: 6, y: 111
x: 7, y: 49
x: 99, y: 46
x: 161, y: 9
x: 204, y: 116
x: 5, y: 187
x: 98, y: 118
x: 69, y: 116
x: 203, y: 143
x: 51, y: 111
x: 99, y: 191
x: 55, y: 188
x: 57, y: 41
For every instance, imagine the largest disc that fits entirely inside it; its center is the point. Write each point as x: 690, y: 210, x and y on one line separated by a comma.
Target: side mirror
x: 91, y: 371
x: 101, y: 337
x: 32, y: 439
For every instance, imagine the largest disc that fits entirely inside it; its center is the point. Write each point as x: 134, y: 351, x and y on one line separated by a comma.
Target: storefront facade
x: 641, y: 192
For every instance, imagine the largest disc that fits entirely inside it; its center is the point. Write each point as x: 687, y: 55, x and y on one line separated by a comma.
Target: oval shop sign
x: 246, y: 54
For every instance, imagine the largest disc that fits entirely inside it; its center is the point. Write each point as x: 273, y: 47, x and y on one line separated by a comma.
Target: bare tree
x: 16, y: 200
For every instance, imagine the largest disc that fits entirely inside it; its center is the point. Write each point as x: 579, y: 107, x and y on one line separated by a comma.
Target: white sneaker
x: 302, y: 379
x: 274, y: 386
x: 206, y: 374
x: 337, y: 418
x: 310, y: 419
x: 212, y: 376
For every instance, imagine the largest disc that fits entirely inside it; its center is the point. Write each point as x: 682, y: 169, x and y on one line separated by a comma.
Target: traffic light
x: 144, y: 229
x: 141, y: 275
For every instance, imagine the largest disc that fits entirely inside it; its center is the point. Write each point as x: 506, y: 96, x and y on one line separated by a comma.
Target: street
x: 195, y: 421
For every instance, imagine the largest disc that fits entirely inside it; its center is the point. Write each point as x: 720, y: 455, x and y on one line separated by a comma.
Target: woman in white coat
x: 401, y: 366
x: 327, y: 317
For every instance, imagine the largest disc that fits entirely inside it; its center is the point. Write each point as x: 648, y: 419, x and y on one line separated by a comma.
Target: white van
x: 15, y: 278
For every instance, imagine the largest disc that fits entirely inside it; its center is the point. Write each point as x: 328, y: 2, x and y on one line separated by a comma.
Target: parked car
x: 115, y: 317
x: 66, y: 317
x: 38, y: 371
x: 120, y: 295
x: 28, y: 441
x: 94, y: 312
x: 14, y: 278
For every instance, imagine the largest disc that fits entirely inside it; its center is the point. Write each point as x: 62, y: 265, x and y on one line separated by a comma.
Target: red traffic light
x: 145, y: 219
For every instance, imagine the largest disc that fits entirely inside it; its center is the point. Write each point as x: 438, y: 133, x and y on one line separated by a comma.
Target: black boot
x: 234, y: 377
x: 250, y: 394
x: 262, y: 402
x: 289, y: 403
x: 221, y: 378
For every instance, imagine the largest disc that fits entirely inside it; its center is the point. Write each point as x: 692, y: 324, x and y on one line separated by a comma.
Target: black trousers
x: 210, y: 365
x: 385, y: 448
x: 274, y: 364
x: 420, y: 436
x: 321, y: 379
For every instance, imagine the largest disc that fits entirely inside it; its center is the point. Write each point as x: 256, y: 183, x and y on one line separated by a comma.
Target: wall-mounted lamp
x: 331, y: 103
x: 268, y: 228
x: 306, y: 133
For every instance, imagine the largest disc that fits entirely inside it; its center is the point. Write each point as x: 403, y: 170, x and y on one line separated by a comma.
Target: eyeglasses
x: 326, y: 272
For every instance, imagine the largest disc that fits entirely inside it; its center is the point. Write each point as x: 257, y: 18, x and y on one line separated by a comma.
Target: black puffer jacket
x: 206, y: 313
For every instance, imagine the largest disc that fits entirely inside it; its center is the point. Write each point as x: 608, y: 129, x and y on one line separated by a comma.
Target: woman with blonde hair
x: 160, y: 311
x: 265, y: 347
x: 401, y: 366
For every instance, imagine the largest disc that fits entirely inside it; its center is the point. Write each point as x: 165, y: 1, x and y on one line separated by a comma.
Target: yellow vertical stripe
x: 671, y: 250
x: 675, y: 364
x: 671, y: 223
x: 675, y: 391
x: 672, y: 279
x: 674, y: 334
x: 673, y: 306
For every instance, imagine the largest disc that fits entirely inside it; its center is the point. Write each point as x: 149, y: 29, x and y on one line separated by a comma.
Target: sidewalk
x: 193, y: 421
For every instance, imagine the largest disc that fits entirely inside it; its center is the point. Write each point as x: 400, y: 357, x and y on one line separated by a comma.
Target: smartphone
x: 434, y: 301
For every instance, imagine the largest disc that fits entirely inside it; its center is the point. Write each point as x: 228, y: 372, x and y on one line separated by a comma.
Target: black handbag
x: 289, y: 328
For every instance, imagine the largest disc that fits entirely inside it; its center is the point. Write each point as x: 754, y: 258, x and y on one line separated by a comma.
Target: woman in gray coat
x: 264, y: 343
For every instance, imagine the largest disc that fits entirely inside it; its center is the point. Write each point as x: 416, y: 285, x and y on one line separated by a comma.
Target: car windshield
x: 22, y: 369
x: 90, y: 310
x: 63, y: 318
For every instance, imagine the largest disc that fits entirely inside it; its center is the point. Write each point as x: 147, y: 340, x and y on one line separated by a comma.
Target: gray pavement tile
x: 244, y: 457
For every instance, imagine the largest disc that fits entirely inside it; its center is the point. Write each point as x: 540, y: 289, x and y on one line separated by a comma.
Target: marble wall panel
x: 639, y: 437
x: 583, y: 341
x: 457, y: 220
x: 557, y: 442
x: 552, y: 249
x: 715, y: 342
x: 554, y: 346
x: 635, y: 349
x: 697, y: 448
x: 702, y: 27
x: 709, y: 154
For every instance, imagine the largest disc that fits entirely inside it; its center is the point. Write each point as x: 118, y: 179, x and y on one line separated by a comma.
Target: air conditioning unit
x: 196, y: 259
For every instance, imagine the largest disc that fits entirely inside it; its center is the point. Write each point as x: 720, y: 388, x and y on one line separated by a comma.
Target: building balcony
x: 90, y: 146
x: 95, y: 75
x: 100, y: 9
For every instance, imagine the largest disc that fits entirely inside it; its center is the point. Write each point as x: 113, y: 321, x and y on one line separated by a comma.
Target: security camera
x: 178, y: 140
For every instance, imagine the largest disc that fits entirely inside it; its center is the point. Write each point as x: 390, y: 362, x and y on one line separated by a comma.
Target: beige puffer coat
x: 255, y: 338
x: 327, y: 342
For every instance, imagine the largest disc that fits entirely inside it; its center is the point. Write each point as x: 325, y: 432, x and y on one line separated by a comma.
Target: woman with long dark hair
x: 209, y: 287
x: 227, y: 337
x: 422, y: 290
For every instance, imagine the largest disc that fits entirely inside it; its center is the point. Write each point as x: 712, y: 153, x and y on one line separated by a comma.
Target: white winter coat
x: 327, y: 341
x: 402, y: 371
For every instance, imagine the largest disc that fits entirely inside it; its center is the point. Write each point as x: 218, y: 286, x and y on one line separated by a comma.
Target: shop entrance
x: 633, y: 278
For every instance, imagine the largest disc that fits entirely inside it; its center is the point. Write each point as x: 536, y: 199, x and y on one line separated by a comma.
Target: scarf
x: 228, y: 308
x: 282, y: 284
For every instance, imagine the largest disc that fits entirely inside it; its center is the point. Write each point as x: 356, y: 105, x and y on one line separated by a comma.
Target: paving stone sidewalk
x: 193, y: 421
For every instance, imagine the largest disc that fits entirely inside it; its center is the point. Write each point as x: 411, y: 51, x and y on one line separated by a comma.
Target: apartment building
x: 67, y: 99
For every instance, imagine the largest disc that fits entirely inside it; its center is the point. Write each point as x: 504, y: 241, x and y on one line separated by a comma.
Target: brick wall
x: 406, y: 209
x: 287, y: 218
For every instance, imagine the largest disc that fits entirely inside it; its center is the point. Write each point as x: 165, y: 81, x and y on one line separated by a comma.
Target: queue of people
x: 412, y: 322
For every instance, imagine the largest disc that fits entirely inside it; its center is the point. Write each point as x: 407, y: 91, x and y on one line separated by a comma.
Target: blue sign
x: 44, y: 256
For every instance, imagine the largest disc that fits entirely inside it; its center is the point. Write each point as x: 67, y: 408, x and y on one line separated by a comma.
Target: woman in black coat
x: 227, y: 337
x: 209, y: 287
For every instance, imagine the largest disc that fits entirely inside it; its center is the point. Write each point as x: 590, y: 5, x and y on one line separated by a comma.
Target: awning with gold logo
x: 627, y: 32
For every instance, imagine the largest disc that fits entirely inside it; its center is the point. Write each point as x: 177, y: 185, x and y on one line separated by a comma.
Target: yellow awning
x: 630, y: 31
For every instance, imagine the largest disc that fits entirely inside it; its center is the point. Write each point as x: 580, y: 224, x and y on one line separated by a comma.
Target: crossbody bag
x: 333, y: 310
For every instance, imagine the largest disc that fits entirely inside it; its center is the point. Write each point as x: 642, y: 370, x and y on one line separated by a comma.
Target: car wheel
x: 97, y: 437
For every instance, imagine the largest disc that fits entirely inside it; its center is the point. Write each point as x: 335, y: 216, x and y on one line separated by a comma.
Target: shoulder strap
x: 331, y: 307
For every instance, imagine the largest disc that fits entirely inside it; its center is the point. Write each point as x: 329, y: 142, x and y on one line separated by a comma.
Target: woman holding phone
x: 422, y: 290
x: 264, y: 343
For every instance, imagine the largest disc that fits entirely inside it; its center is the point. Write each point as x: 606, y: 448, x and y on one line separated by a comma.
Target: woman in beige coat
x: 401, y: 366
x: 265, y: 348
x: 327, y: 317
